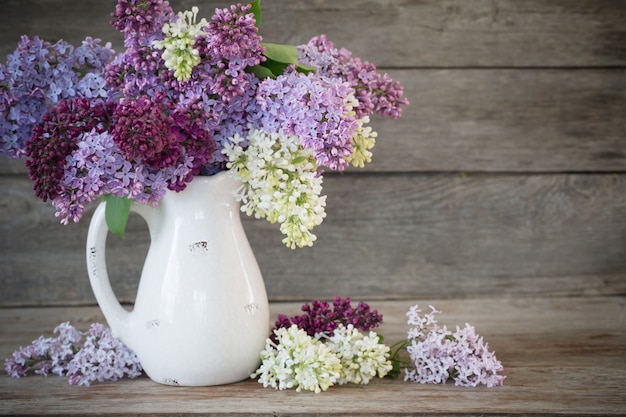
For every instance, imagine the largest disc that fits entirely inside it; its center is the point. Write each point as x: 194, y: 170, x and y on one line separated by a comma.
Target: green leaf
x: 299, y: 159
x: 286, y: 54
x: 261, y: 72
x: 275, y: 67
x: 256, y: 10
x: 305, y: 68
x: 116, y: 214
x: 279, y: 56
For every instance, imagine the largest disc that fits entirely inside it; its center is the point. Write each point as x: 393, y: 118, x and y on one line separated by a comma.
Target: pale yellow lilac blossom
x: 179, y: 53
x: 297, y: 361
x: 363, y: 141
x: 362, y: 356
x: 280, y: 183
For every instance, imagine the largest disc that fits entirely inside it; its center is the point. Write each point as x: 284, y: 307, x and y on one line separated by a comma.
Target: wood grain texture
x: 506, y: 121
x: 385, y: 236
x: 425, y: 33
x: 562, y: 356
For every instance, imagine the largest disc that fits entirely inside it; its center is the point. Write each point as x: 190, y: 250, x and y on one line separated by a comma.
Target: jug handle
x: 117, y: 317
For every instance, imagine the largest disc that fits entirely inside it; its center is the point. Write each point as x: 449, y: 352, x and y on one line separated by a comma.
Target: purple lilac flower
x: 46, y: 355
x: 97, y: 168
x: 99, y: 357
x: 140, y: 69
x: 313, y: 107
x: 220, y: 84
x: 136, y: 72
x: 438, y: 354
x: 37, y: 76
x: 141, y: 21
x: 102, y: 357
x: 320, y: 317
x: 231, y: 44
x: 57, y: 137
x: 152, y: 131
x: 376, y: 93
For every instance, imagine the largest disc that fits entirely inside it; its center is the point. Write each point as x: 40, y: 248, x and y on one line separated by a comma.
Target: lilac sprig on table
x: 84, y: 357
x: 324, y: 347
x: 322, y: 317
x: 438, y: 354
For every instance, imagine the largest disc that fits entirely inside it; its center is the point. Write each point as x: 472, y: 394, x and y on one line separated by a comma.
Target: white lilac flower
x: 362, y: 356
x: 297, y: 361
x: 280, y: 183
x: 180, y: 54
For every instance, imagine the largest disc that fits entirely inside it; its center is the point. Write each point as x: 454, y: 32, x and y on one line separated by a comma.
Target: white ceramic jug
x: 201, y: 315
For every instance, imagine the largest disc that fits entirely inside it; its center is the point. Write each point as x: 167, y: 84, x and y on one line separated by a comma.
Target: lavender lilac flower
x: 438, y: 354
x: 37, y: 76
x: 88, y: 357
x: 376, y: 93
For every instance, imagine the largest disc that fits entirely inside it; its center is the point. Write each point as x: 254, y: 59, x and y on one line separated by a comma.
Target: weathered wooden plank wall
x: 506, y: 175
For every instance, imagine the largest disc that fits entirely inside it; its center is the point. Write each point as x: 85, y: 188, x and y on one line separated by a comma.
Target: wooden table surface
x: 561, y: 356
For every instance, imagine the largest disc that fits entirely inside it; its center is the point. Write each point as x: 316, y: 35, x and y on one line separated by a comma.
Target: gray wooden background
x: 506, y: 174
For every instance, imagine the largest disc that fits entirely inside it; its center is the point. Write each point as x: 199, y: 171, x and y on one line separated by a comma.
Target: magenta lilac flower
x: 322, y: 318
x: 144, y: 131
x: 57, y: 137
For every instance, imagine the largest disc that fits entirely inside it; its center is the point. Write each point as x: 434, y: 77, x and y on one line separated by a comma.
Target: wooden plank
x: 385, y: 236
x: 427, y: 33
x: 500, y: 121
x: 506, y: 121
x: 562, y: 356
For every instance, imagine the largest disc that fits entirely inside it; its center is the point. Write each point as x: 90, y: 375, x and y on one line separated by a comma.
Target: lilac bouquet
x: 190, y: 97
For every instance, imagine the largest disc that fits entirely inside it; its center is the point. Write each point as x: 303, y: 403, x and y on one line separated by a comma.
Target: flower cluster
x: 438, y: 354
x: 191, y: 97
x: 321, y: 318
x: 94, y: 355
x: 274, y: 164
x: 323, y: 347
x: 297, y: 360
x: 39, y: 75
